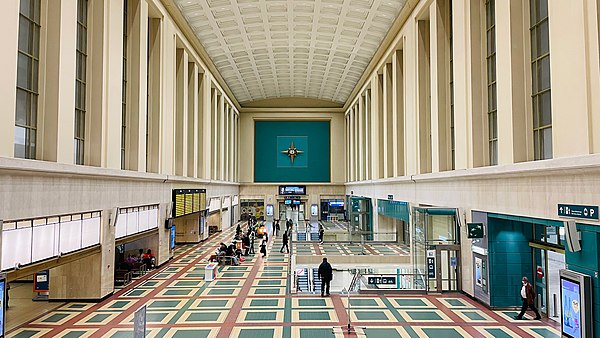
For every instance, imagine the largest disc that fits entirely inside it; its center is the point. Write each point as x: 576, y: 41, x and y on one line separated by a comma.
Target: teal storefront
x: 393, y: 221
x: 517, y: 246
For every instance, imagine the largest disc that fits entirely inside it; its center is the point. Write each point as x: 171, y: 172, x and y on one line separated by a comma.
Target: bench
x: 122, y: 277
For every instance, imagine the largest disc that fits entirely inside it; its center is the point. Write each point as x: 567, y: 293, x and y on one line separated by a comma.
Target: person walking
x: 263, y: 248
x: 251, y: 236
x: 276, y: 228
x: 326, y: 275
x: 321, y: 233
x: 528, y: 297
x: 285, y: 242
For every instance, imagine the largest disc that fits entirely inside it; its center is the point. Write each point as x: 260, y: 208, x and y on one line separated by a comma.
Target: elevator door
x: 448, y: 269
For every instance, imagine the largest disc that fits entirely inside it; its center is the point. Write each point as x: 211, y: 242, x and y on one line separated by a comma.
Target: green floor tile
x: 264, y: 302
x: 442, y: 332
x: 191, y: 333
x: 228, y: 282
x: 123, y: 334
x: 187, y: 283
x: 213, y: 292
x: 213, y: 303
x: 363, y: 302
x: 26, y: 334
x: 194, y: 275
x: 474, y: 316
x: 370, y: 315
x: 232, y: 274
x: 74, y: 334
x: 455, y: 302
x: 425, y: 315
x: 269, y: 282
x: 155, y: 317
x: 55, y: 318
x: 271, y: 274
x: 254, y: 316
x: 267, y: 291
x: 312, y: 302
x: 237, y: 268
x: 254, y: 333
x: 76, y: 306
x: 162, y: 275
x: 497, y: 333
x: 546, y: 333
x: 203, y: 316
x: 176, y: 292
x: 314, y: 315
x: 97, y: 318
x: 410, y: 302
x: 274, y: 268
x: 149, y: 284
x: 316, y: 333
x: 164, y: 303
x: 136, y: 293
x: 377, y: 333
x: 118, y: 304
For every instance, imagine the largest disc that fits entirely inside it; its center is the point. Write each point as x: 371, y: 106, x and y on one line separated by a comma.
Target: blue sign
x: 571, y: 308
x: 172, y: 237
x: 382, y: 280
x: 578, y: 211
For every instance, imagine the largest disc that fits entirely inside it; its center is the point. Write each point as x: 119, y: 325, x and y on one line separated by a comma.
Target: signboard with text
x: 578, y: 211
x: 388, y: 280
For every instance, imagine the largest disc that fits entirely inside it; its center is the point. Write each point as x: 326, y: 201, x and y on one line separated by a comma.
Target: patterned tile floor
x: 251, y: 300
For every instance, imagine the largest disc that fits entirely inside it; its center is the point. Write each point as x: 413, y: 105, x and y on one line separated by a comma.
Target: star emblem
x: 292, y: 152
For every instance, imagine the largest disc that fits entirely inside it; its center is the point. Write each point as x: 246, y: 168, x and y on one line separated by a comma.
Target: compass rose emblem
x: 292, y: 152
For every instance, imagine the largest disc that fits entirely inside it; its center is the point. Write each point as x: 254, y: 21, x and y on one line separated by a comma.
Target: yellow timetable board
x: 188, y: 201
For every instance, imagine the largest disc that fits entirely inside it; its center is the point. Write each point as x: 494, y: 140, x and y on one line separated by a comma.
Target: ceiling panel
x: 291, y: 48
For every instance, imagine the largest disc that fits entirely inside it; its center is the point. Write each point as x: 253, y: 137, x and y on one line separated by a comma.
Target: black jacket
x: 285, y: 238
x: 326, y: 271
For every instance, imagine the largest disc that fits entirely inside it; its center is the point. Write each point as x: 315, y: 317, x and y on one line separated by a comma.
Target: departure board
x: 188, y: 201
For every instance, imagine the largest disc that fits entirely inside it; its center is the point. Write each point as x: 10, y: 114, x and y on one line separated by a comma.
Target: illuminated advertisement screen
x: 571, y: 308
x: 269, y: 209
x: 2, y: 307
x: 172, y: 238
x: 292, y: 190
x: 288, y: 202
x: 336, y: 203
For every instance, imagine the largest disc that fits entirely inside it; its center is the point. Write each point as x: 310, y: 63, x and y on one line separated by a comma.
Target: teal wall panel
x: 510, y: 259
x: 273, y: 137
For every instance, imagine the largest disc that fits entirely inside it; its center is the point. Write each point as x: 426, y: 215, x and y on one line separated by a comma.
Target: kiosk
x: 210, y: 272
x: 576, y: 305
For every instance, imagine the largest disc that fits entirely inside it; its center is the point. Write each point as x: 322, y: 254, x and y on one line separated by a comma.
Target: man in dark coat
x: 285, y: 242
x: 326, y: 275
x: 528, y: 297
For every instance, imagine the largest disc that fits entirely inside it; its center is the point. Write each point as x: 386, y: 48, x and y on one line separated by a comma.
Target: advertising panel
x: 571, y: 308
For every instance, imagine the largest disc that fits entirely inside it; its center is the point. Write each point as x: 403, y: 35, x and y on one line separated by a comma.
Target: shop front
x: 393, y: 221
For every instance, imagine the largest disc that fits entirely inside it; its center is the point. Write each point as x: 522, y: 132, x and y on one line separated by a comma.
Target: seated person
x: 148, y: 259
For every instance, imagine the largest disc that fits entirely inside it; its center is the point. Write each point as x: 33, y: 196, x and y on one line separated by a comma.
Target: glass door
x: 539, y: 260
x: 448, y: 268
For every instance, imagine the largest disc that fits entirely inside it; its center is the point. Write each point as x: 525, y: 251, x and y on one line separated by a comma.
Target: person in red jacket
x: 528, y: 297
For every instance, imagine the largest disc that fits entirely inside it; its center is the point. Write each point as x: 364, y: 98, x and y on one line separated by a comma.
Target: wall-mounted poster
x: 478, y: 272
x: 314, y: 210
x: 269, y: 209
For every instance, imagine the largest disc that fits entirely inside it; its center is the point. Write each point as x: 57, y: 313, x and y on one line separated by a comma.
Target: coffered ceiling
x: 290, y: 48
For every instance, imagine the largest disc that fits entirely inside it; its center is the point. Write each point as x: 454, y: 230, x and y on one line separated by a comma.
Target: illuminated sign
x: 571, y: 308
x: 292, y: 190
x: 188, y: 201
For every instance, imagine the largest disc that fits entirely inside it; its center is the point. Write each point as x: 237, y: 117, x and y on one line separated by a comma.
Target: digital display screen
x: 292, y: 190
x: 2, y: 306
x: 288, y: 202
x: 269, y: 209
x: 296, y: 202
x: 571, y: 308
x: 314, y: 210
x: 188, y: 201
x: 336, y: 203
x: 172, y: 242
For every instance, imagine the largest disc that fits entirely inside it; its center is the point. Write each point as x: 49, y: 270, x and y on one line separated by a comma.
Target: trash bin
x: 210, y: 272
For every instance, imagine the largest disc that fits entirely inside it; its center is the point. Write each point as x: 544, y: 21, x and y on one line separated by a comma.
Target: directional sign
x: 578, y: 211
x: 382, y: 280
x: 431, y: 267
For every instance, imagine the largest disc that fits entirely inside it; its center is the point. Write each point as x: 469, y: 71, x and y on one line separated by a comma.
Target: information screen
x: 188, y: 201
x: 292, y: 190
x: 2, y: 306
x: 269, y: 209
x: 172, y: 242
x: 571, y: 308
